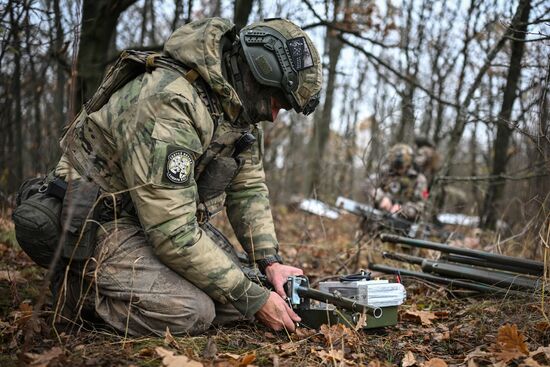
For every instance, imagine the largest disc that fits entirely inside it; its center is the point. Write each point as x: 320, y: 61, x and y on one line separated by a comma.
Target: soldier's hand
x: 385, y: 204
x: 277, y: 314
x: 395, y: 208
x: 278, y: 274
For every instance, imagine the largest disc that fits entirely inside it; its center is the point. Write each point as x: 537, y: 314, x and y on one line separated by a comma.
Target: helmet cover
x: 281, y: 55
x: 400, y: 156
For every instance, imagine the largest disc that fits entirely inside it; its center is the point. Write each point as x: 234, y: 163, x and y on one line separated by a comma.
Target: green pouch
x: 79, y: 218
x: 216, y: 177
x: 36, y: 219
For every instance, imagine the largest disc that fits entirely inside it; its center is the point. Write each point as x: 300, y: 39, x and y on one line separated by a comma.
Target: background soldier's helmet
x: 400, y: 156
x: 281, y: 55
x: 424, y: 156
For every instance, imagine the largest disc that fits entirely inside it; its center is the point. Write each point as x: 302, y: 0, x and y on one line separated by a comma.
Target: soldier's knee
x: 185, y: 316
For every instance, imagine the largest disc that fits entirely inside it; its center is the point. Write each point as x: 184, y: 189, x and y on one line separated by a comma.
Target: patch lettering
x: 300, y: 55
x: 179, y: 165
x: 395, y: 187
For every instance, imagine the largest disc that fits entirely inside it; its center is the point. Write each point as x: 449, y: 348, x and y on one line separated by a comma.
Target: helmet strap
x: 256, y: 101
x: 233, y: 74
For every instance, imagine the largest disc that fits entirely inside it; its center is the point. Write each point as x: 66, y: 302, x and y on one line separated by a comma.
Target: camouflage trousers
x: 132, y: 291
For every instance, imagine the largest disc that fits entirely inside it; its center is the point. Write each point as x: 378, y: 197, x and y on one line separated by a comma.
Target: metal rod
x: 403, y: 257
x: 495, y: 258
x: 347, y: 303
x: 482, y: 288
x: 490, y: 277
x: 461, y: 259
x: 464, y: 260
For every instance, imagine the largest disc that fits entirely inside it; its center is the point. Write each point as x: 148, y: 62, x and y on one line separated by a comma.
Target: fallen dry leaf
x: 542, y: 352
x: 435, y: 362
x: 470, y: 359
x: 425, y: 317
x: 442, y: 336
x: 332, y: 355
x: 146, y: 352
x: 170, y: 340
x: 408, y: 359
x: 43, y: 359
x: 543, y: 326
x: 406, y: 334
x: 530, y: 362
x: 303, y: 333
x: 511, y: 341
x: 171, y: 360
x: 247, y: 359
x: 542, y: 355
x: 230, y: 355
x: 508, y: 355
x: 362, y: 322
x: 337, y: 334
x: 288, y: 348
x: 235, y: 360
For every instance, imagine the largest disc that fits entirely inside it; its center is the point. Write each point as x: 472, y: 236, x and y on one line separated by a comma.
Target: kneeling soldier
x: 173, y: 146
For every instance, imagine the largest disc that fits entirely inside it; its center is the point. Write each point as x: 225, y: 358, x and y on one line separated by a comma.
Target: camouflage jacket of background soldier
x: 409, y: 190
x: 159, y: 119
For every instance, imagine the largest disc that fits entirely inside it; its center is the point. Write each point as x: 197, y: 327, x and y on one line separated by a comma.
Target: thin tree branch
x: 396, y: 72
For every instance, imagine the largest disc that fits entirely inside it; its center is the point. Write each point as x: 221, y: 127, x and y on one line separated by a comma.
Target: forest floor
x: 435, y: 328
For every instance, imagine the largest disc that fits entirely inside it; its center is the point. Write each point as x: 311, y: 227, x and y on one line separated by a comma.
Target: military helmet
x: 424, y: 155
x: 400, y: 156
x: 281, y: 55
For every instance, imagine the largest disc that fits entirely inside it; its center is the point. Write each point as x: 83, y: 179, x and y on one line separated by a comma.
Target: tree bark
x: 178, y: 12
x: 321, y: 128
x: 242, y: 12
x: 504, y: 130
x: 17, y: 122
x: 99, y: 20
x: 59, y: 51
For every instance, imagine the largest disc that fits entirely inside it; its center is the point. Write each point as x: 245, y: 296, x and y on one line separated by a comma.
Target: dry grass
x: 461, y: 327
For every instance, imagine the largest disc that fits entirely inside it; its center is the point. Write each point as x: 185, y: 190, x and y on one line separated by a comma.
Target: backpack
x: 47, y: 205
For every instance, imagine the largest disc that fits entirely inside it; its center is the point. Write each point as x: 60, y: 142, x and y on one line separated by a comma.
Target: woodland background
x: 472, y: 76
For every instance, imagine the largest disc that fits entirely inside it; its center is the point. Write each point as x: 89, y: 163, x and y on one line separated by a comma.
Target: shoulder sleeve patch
x: 178, y: 166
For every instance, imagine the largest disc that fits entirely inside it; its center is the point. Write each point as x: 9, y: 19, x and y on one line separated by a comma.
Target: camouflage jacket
x: 409, y: 190
x: 150, y: 138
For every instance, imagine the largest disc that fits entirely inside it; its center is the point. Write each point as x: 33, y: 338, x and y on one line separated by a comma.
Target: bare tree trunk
x: 17, y: 122
x: 189, y: 17
x: 59, y: 52
x: 405, y: 131
x: 153, y: 29
x: 36, y: 85
x: 99, y: 20
x: 542, y: 183
x: 504, y: 131
x: 321, y: 128
x: 462, y: 106
x: 242, y: 12
x: 216, y: 11
x: 178, y: 12
x: 144, y: 19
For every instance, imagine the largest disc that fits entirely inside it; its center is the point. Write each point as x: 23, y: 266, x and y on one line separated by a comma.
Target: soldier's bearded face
x: 261, y: 103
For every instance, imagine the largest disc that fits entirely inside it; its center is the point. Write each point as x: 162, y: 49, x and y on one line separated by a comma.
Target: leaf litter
x: 436, y: 329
